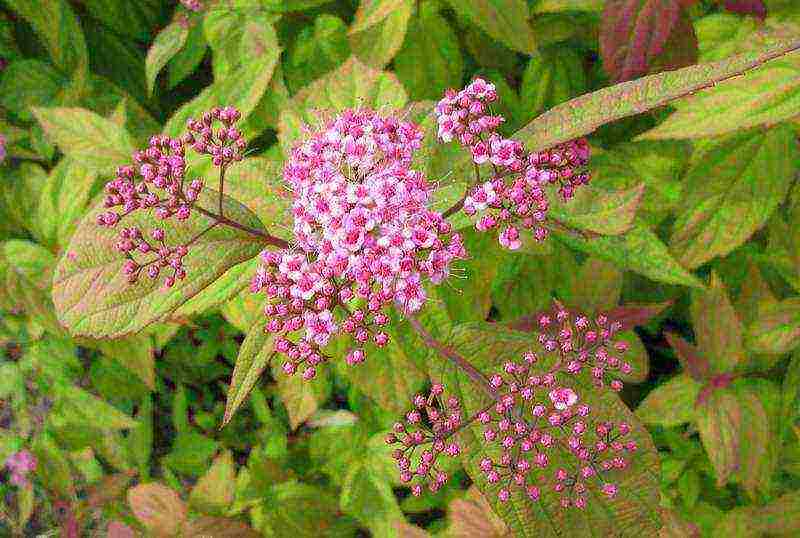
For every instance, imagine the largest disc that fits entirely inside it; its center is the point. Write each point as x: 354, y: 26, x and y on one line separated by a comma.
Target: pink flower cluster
x: 365, y: 236
x: 536, y: 421
x: 157, y: 183
x: 20, y: 465
x: 192, y: 5
x: 585, y: 344
x: 516, y: 195
x: 3, y: 151
x: 424, y: 436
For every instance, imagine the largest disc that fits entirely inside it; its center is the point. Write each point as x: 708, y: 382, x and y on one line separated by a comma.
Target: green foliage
x: 167, y: 413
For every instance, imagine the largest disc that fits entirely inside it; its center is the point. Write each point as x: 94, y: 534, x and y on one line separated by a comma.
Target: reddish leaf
x: 689, y: 357
x: 747, y: 7
x: 644, y: 36
x: 636, y: 315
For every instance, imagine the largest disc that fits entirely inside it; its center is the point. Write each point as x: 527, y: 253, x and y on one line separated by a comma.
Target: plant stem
x: 221, y: 187
x: 269, y: 239
x: 455, y: 359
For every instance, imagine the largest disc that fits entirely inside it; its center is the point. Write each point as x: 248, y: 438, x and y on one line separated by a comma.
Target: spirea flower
x: 426, y: 435
x: 157, y: 183
x: 20, y: 465
x: 3, y: 151
x: 516, y: 196
x: 536, y: 421
x: 365, y: 237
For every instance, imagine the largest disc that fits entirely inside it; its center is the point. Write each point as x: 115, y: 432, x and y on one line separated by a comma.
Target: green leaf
x: 92, y: 295
x: 299, y: 510
x: 114, y: 58
x: 63, y: 201
x: 30, y: 83
x: 191, y: 453
x: 671, y: 403
x: 95, y: 141
x: 373, y: 12
x: 351, y: 84
x: 254, y: 355
x: 430, y: 61
x: 504, y: 20
x: 719, y: 420
x: 776, y: 328
x: 639, y: 250
x: 763, y: 96
x: 586, y: 113
x: 760, y: 439
x: 244, y: 86
x: 388, y: 376
x: 657, y: 165
x: 598, y: 211
x: 166, y: 45
x: 185, y: 61
x: 370, y: 500
x: 136, y: 353
x: 376, y: 44
x: 730, y: 191
x: 553, y: 76
x: 80, y: 408
x: 316, y: 51
x: 57, y: 26
x: 132, y: 19
x: 632, y: 513
x: 233, y: 281
x: 301, y: 398
x: 717, y: 328
x: 214, y: 492
x: 28, y: 280
x: 52, y: 466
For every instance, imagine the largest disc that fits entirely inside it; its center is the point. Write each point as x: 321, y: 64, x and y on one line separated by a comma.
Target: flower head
x: 517, y: 196
x: 157, y: 183
x: 366, y: 239
x: 20, y: 464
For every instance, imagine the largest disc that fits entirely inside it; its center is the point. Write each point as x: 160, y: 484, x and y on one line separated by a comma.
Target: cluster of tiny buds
x: 20, y: 465
x: 192, y: 5
x: 157, y: 182
x: 516, y: 195
x: 225, y: 144
x: 583, y: 343
x: 426, y: 434
x: 533, y: 418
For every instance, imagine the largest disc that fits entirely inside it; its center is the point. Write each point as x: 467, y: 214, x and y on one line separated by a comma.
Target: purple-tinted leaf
x: 584, y: 114
x: 747, y: 7
x: 720, y: 421
x: 717, y: 327
x: 777, y: 327
x: 730, y: 191
x: 636, y: 315
x: 671, y: 403
x: 689, y: 357
x: 158, y: 508
x: 640, y: 36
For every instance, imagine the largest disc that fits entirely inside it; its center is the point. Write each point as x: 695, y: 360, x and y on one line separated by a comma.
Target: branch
x: 455, y: 359
x: 269, y: 239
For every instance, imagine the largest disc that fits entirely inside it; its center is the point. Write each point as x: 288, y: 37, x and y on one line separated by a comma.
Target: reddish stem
x: 455, y: 359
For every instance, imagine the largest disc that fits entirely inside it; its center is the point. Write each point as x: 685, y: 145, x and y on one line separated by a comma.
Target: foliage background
x: 127, y: 431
